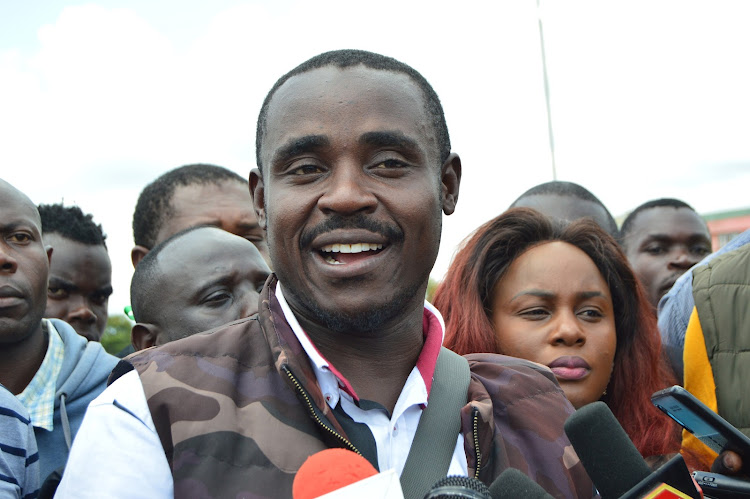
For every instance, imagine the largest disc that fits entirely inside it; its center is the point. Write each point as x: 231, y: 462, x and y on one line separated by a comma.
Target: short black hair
x: 154, y: 204
x: 627, y: 225
x: 569, y: 189
x: 71, y: 223
x: 348, y: 58
x: 145, y: 274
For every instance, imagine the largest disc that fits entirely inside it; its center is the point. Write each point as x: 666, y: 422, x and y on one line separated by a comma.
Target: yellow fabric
x: 699, y: 380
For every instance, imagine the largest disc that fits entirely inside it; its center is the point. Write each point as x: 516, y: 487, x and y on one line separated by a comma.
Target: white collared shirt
x: 393, y: 436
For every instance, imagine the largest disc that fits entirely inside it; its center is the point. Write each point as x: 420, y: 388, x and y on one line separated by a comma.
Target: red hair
x: 465, y: 297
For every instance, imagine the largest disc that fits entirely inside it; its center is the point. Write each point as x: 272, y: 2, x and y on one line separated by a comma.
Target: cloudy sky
x: 649, y: 97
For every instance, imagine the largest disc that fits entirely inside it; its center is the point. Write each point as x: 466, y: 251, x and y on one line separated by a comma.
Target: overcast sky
x: 649, y: 98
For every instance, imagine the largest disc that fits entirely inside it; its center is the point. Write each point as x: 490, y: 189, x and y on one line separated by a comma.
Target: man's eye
x: 21, y: 237
x: 100, y: 298
x: 654, y: 250
x: 700, y: 250
x: 57, y: 293
x: 217, y: 298
x: 390, y: 163
x: 307, y: 170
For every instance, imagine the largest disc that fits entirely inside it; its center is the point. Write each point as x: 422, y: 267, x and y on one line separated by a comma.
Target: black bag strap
x: 432, y: 449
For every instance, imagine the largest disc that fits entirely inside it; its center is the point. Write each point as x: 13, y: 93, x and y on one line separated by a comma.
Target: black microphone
x: 512, y: 484
x: 613, y: 462
x: 458, y: 487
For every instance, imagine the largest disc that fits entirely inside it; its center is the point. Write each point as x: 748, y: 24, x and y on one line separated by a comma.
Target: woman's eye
x: 591, y: 313
x: 535, y: 313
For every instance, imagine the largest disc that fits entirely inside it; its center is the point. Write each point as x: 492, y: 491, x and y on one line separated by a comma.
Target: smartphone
x: 710, y: 428
x: 717, y: 486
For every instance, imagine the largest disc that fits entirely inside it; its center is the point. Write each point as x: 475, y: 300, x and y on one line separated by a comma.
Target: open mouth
x: 342, y: 253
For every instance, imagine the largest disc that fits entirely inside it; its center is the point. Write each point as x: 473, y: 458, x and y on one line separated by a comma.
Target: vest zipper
x: 314, y: 415
x: 475, y: 432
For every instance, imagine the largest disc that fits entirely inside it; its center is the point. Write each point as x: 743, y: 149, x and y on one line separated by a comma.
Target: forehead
x: 205, y: 199
x: 342, y: 102
x: 16, y: 208
x: 205, y: 252
x: 553, y: 262
x: 668, y: 221
x: 73, y: 259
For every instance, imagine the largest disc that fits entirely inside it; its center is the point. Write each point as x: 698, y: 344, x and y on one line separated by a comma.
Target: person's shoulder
x: 204, y: 343
x: 507, y: 380
x: 494, y: 365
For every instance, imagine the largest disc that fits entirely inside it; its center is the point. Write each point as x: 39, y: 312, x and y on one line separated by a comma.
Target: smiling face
x: 352, y: 191
x: 226, y: 274
x: 553, y: 307
x: 80, y: 282
x: 662, y: 244
x: 24, y: 265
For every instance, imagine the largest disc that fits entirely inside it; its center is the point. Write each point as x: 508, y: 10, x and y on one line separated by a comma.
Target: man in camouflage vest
x: 354, y: 174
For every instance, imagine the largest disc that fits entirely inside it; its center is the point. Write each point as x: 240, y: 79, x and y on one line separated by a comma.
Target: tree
x: 117, y: 333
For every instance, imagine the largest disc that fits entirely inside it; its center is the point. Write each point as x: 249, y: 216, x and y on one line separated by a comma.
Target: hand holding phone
x: 710, y: 428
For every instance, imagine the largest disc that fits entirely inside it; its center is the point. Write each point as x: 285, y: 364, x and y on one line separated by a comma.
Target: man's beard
x: 368, y: 323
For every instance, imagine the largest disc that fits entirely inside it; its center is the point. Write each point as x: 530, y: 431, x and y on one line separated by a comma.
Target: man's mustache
x: 391, y: 232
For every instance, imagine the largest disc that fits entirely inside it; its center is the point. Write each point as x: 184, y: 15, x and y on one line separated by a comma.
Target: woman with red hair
x: 562, y: 295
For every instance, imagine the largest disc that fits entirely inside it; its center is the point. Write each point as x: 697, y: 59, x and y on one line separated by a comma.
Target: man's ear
x: 258, y: 193
x: 143, y: 335
x: 137, y: 254
x: 48, y: 250
x: 450, y: 180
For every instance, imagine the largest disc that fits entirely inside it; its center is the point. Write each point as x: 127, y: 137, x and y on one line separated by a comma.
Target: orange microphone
x: 330, y: 470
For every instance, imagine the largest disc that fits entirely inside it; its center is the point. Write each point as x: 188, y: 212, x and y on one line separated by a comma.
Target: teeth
x: 330, y: 260
x: 351, y: 248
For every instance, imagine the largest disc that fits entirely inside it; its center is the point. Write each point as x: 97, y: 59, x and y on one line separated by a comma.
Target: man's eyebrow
x: 58, y: 282
x: 388, y: 138
x: 12, y: 225
x: 300, y: 145
x: 221, y: 280
x: 105, y: 290
x: 660, y: 238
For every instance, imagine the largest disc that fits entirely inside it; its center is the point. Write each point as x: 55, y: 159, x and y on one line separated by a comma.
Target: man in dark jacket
x: 354, y: 174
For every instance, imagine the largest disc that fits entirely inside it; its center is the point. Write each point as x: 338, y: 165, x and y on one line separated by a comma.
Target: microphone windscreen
x: 458, y: 487
x: 607, y: 454
x: 329, y: 470
x: 513, y: 483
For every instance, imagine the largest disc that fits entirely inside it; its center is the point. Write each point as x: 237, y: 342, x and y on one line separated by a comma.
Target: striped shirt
x: 19, y: 459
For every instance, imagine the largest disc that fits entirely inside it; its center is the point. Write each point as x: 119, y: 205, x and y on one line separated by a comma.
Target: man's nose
x: 347, y: 190
x: 682, y: 259
x: 8, y: 264
x: 81, y: 310
x: 249, y: 303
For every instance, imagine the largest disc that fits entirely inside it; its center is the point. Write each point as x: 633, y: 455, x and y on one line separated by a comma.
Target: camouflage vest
x: 238, y: 410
